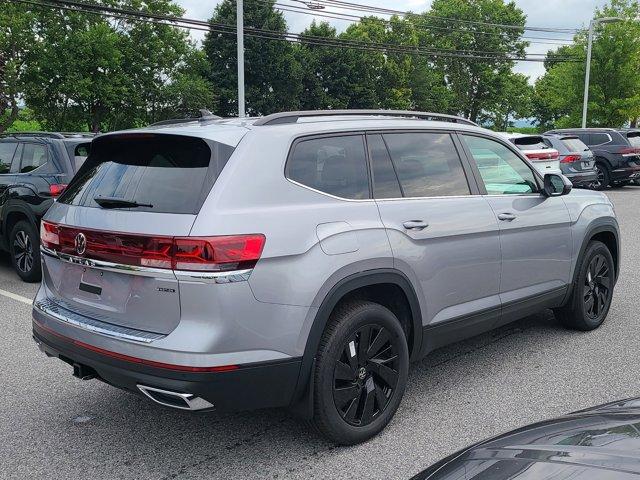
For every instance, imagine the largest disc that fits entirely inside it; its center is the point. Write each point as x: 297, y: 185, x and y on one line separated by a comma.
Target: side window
x: 334, y: 165
x: 598, y: 139
x: 427, y: 164
x: 385, y: 181
x: 7, y: 149
x: 502, y: 171
x: 34, y: 155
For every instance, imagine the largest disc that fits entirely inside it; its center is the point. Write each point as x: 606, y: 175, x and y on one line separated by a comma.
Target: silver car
x: 304, y: 259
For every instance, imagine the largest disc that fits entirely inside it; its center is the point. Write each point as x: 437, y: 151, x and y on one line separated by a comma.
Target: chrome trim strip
x: 231, y: 276
x: 61, y: 314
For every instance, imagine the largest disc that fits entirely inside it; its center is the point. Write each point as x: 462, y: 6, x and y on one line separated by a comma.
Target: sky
x: 540, y: 13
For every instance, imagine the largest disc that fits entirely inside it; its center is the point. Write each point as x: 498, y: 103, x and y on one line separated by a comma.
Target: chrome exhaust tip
x: 181, y: 401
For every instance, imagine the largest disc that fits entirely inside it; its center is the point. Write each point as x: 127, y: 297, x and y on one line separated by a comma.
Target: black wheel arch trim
x: 11, y: 208
x: 596, y: 228
x: 302, y: 402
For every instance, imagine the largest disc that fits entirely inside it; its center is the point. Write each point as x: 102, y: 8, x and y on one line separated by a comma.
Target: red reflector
x: 570, y: 158
x: 142, y: 361
x: 49, y: 235
x: 629, y: 152
x: 56, y: 189
x: 221, y: 253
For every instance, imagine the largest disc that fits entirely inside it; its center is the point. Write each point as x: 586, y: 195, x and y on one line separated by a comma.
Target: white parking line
x: 14, y: 296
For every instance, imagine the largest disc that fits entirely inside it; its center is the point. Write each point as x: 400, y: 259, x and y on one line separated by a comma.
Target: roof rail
x: 292, y: 117
x: 205, y: 115
x: 32, y: 134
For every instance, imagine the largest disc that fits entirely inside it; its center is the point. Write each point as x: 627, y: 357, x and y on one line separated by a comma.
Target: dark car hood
x: 597, y: 443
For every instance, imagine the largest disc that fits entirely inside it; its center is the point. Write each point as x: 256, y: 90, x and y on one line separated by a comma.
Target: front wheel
x: 24, y: 247
x: 361, y: 372
x: 592, y: 290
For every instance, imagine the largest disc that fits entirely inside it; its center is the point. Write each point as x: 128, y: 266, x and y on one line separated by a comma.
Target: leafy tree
x: 475, y: 83
x: 514, y: 102
x: 272, y: 75
x: 17, y: 37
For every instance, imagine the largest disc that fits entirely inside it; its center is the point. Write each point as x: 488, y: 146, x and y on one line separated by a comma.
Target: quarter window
x: 33, y: 156
x: 7, y: 149
x: 427, y: 164
x: 335, y: 165
x: 502, y: 171
x: 599, y: 138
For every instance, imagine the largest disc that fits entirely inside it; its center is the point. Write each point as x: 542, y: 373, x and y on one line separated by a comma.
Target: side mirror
x: 556, y: 185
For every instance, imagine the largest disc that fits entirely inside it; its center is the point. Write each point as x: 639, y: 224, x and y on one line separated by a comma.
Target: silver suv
x: 304, y: 259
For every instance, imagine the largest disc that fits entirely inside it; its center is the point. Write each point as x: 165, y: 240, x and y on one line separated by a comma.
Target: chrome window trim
x: 231, y: 276
x: 57, y: 312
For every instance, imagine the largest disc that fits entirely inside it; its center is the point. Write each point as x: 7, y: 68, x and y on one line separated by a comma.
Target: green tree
x: 272, y: 74
x: 17, y: 37
x: 515, y: 101
x: 475, y: 83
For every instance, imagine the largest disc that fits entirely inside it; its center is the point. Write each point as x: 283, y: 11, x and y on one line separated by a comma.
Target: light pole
x: 592, y: 24
x: 240, y: 41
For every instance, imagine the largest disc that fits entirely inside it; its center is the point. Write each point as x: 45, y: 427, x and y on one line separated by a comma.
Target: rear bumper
x: 582, y: 179
x: 251, y: 386
x: 625, y: 174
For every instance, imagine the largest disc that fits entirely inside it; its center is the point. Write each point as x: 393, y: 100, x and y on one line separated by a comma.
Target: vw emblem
x: 81, y: 243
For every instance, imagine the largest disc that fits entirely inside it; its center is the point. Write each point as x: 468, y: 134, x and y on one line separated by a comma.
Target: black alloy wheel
x: 24, y: 247
x: 597, y: 287
x: 365, y: 375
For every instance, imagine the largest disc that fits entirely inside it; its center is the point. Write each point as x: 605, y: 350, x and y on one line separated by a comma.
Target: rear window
x: 574, y: 144
x: 78, y: 153
x: 171, y: 173
x: 34, y: 155
x: 634, y: 139
x: 531, y: 143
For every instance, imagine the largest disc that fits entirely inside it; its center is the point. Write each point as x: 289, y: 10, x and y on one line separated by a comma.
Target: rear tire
x: 604, y: 176
x: 592, y: 290
x: 360, y: 374
x: 24, y: 247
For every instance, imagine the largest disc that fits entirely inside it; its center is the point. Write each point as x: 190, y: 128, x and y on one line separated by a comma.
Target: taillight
x: 218, y: 253
x: 49, y: 237
x: 629, y: 152
x: 570, y: 158
x: 538, y: 156
x: 221, y: 253
x: 56, y: 189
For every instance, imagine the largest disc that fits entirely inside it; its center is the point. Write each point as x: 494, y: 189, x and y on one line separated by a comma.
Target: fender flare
x: 302, y: 403
x: 10, y: 208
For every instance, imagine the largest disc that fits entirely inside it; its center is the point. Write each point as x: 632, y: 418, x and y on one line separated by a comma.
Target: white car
x: 544, y: 157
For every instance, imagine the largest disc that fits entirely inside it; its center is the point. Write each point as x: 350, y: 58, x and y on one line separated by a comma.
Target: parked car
x: 592, y: 444
x: 34, y: 169
x: 303, y: 259
x: 616, y: 151
x: 541, y: 154
x: 576, y: 160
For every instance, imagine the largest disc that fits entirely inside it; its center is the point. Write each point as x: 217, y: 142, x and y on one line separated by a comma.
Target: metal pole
x: 240, y: 41
x: 586, y: 76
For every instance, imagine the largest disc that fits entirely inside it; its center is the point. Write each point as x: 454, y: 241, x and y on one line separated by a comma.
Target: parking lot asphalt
x: 55, y: 426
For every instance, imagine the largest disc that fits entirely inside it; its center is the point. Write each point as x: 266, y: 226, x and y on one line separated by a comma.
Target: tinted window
x: 334, y: 165
x: 502, y: 171
x: 531, y: 143
x: 385, y: 181
x: 34, y: 155
x: 7, y: 149
x: 173, y: 173
x: 574, y: 144
x: 598, y: 138
x: 427, y: 164
x: 634, y: 139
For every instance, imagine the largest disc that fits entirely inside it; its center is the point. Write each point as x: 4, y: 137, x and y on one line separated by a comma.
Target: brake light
x: 629, y: 152
x: 538, y: 156
x: 56, y: 189
x: 220, y: 253
x: 49, y: 237
x: 571, y: 158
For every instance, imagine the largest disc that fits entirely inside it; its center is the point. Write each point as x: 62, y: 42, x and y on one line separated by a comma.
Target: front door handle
x: 506, y: 217
x: 415, y: 225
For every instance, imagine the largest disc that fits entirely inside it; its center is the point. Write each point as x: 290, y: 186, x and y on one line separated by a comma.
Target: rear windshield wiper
x: 115, y: 202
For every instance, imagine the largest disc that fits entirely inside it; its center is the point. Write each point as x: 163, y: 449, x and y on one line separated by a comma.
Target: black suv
x: 617, y: 153
x: 34, y: 169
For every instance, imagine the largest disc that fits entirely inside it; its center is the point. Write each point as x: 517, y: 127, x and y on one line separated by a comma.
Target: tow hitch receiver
x: 83, y: 372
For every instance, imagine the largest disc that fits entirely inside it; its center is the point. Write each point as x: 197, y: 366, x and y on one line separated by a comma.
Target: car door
x: 443, y: 235
x: 7, y: 153
x: 535, y: 230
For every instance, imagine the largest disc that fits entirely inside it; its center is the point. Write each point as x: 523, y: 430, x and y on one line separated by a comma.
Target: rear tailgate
x: 111, y: 262
x: 539, y: 152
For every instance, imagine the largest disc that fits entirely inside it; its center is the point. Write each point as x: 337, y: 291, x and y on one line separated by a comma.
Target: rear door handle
x: 415, y: 225
x: 506, y: 217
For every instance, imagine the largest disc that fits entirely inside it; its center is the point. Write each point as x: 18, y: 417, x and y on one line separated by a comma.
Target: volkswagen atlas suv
x: 304, y: 259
